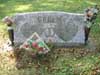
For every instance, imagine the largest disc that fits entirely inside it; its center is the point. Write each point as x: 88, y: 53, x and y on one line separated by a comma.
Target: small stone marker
x: 56, y: 27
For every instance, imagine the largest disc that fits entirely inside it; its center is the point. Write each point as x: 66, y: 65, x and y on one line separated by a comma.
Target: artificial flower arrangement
x: 36, y: 44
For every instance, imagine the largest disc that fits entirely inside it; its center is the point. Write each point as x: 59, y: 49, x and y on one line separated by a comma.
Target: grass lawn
x: 70, y: 61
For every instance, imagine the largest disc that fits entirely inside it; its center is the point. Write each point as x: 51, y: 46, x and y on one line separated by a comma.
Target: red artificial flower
x: 40, y: 48
x: 26, y: 45
x: 34, y: 44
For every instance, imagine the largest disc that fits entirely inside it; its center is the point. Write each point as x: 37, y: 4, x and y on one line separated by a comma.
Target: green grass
x: 57, y: 62
x: 61, y: 62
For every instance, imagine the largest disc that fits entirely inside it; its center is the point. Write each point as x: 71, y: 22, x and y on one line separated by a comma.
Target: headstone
x: 56, y: 27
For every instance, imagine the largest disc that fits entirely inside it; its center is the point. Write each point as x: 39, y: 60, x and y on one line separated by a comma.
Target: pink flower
x: 34, y: 44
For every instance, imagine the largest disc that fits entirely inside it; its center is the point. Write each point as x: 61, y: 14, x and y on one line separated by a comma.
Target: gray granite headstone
x: 52, y: 26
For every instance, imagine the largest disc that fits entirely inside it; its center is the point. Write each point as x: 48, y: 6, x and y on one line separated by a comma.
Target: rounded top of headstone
x: 49, y: 12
